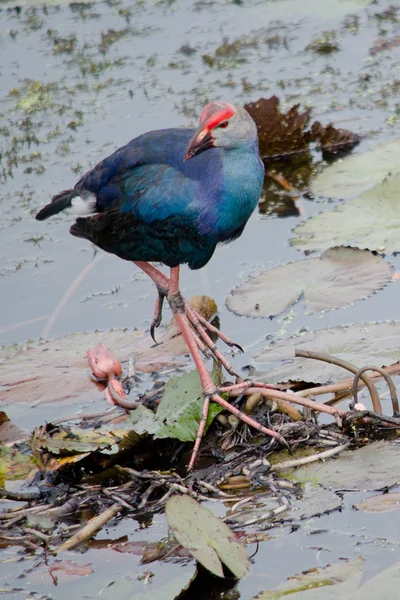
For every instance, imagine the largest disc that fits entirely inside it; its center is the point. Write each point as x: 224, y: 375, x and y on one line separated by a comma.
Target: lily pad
x: 56, y: 370
x: 164, y: 586
x: 356, y: 174
x: 383, y: 585
x: 316, y: 501
x: 338, y: 277
x: 179, y: 412
x: 370, y: 221
x: 374, y: 467
x: 332, y: 581
x: 206, y: 537
x: 380, y: 503
x: 360, y: 344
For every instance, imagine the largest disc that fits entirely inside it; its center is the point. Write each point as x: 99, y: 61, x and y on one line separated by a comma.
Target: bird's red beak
x: 201, y: 141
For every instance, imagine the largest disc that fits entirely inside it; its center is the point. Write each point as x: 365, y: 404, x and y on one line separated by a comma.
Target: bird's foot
x: 212, y: 329
x: 214, y: 396
x: 203, y: 340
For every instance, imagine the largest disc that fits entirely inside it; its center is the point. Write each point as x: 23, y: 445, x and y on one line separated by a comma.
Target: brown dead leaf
x: 286, y: 134
x: 279, y: 134
x: 332, y: 140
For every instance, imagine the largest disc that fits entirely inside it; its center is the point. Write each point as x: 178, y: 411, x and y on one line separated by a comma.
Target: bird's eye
x: 224, y: 124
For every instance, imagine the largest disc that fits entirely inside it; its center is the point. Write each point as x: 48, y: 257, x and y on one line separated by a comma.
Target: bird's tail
x: 57, y: 204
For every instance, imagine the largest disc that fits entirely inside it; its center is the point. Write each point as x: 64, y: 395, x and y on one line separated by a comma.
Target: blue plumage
x: 152, y: 205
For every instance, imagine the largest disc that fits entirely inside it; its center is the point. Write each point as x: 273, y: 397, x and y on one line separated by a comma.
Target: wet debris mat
x: 71, y: 478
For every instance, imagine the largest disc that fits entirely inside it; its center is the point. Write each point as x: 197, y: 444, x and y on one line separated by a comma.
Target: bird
x: 171, y: 196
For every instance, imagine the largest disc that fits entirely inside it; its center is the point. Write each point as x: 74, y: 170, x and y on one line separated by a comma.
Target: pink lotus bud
x: 103, y: 362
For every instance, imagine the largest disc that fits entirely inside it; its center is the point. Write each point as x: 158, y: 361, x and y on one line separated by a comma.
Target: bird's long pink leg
x: 162, y: 283
x: 210, y: 392
x: 199, y: 323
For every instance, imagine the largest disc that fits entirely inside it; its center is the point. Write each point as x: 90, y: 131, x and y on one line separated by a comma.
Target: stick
x: 289, y: 464
x: 90, y: 528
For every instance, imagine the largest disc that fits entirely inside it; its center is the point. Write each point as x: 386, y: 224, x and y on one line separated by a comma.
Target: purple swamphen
x: 171, y: 196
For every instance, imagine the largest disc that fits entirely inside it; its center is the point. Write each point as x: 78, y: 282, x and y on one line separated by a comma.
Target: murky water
x: 78, y: 81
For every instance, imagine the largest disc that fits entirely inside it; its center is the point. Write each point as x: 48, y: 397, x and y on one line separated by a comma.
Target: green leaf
x: 15, y: 465
x: 370, y: 221
x: 332, y: 581
x: 360, y: 344
x: 179, y: 412
x: 206, y: 537
x: 74, y: 440
x: 338, y: 277
x: 356, y: 174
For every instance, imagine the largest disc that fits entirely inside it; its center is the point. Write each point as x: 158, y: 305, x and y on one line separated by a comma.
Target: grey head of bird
x: 222, y: 125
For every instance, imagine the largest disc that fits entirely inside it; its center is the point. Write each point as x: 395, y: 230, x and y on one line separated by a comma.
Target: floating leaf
x: 72, y: 440
x: 279, y: 134
x: 380, y: 503
x: 15, y: 465
x: 285, y: 134
x: 206, y: 537
x: 179, y: 412
x: 9, y: 432
x: 384, y: 585
x: 360, y: 344
x: 164, y: 585
x: 315, y: 501
x: 55, y: 370
x: 340, y: 580
x: 331, y: 140
x: 356, y: 174
x: 371, y: 221
x: 373, y: 467
x: 338, y: 277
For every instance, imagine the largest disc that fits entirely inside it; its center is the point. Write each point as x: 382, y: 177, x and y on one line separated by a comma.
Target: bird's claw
x: 157, y: 317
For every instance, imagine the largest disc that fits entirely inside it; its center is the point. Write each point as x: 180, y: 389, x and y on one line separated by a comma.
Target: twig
x: 38, y: 534
x: 117, y: 499
x: 241, y: 503
x: 90, y: 528
x: 325, y: 357
x: 211, y: 488
x: 289, y: 464
x: 19, y: 496
x: 21, y: 513
x: 389, y: 381
x: 284, y: 505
